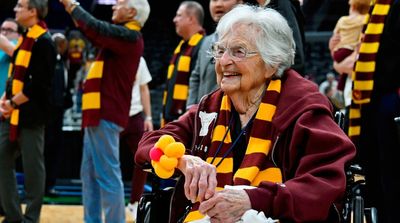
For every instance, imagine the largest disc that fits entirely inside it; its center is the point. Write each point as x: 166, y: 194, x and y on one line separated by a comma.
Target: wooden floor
x: 65, y: 214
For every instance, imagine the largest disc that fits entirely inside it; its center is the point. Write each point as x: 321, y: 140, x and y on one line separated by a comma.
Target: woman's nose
x: 225, y: 58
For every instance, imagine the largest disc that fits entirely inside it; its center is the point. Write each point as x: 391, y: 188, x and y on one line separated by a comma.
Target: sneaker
x: 132, y: 209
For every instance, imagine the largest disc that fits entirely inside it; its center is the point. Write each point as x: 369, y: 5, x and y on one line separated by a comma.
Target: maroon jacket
x: 308, y: 146
x: 121, y: 49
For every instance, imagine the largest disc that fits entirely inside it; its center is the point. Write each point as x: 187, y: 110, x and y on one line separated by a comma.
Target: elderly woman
x: 265, y: 127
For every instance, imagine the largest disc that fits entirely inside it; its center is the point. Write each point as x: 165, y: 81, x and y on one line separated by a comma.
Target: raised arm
x: 100, y: 33
x: 6, y: 45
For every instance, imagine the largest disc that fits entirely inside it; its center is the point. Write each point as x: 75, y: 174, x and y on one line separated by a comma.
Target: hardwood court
x: 65, y: 214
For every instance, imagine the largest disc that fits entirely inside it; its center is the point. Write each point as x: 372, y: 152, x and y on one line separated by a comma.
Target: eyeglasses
x: 237, y: 53
x: 7, y: 30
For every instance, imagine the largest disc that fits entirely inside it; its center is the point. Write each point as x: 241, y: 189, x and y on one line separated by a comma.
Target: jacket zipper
x: 273, y: 149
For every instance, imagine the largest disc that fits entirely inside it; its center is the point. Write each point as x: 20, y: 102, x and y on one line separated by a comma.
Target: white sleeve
x: 143, y: 74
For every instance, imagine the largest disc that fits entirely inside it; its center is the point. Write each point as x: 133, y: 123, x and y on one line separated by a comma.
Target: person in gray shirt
x: 203, y: 80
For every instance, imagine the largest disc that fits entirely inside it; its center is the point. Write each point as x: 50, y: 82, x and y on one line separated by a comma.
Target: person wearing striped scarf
x: 25, y: 107
x: 375, y: 105
x: 266, y: 128
x: 106, y: 102
x: 188, y: 25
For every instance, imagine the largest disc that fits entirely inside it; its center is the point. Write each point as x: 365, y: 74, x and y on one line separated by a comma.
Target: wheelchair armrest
x: 147, y: 167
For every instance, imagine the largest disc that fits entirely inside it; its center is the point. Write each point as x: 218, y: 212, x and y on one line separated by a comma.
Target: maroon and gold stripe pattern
x: 91, y: 98
x: 179, y: 65
x: 19, y: 67
x: 256, y: 166
x: 364, y: 68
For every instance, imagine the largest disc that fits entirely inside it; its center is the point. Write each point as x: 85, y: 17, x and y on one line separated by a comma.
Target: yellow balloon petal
x: 175, y: 149
x: 168, y: 163
x: 162, y: 173
x: 164, y: 141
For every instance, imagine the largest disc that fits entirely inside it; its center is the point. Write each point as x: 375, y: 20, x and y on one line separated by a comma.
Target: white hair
x: 57, y: 36
x: 142, y: 10
x: 270, y: 31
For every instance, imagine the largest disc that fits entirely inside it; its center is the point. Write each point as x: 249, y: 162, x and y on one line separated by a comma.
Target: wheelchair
x: 156, y: 205
x: 353, y: 207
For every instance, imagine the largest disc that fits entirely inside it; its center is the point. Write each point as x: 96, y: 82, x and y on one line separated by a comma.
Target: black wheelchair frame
x: 353, y: 206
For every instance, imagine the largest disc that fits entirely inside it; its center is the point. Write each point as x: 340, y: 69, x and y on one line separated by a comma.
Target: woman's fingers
x: 212, y: 183
x: 188, y: 180
x: 226, y: 205
x: 203, y: 185
x: 200, y: 178
x: 207, y: 205
x: 194, y: 186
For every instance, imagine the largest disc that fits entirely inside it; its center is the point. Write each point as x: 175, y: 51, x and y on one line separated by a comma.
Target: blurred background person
x: 25, y: 109
x: 140, y: 121
x: 345, y: 40
x: 188, y: 25
x: 375, y: 104
x: 9, y: 33
x: 291, y: 10
x: 203, y: 79
x: 60, y: 99
x: 106, y: 101
x: 329, y: 84
x: 76, y: 56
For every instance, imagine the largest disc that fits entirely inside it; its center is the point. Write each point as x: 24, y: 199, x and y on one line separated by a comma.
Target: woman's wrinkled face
x: 240, y: 67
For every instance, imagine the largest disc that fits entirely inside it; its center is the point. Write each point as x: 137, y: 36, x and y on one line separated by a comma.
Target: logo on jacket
x: 206, y: 119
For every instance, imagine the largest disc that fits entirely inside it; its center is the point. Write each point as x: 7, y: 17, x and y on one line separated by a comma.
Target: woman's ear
x: 270, y: 71
x: 33, y: 11
x: 132, y: 13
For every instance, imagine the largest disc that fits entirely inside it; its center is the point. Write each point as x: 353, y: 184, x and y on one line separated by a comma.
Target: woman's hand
x: 226, y: 206
x: 200, y: 178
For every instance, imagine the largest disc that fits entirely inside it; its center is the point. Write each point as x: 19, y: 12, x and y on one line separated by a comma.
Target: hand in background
x: 5, y: 108
x: 66, y: 3
x: 148, y: 125
x: 333, y: 41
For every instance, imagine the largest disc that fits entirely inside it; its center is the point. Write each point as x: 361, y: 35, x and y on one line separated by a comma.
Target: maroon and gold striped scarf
x: 365, y: 66
x: 19, y: 67
x: 91, y: 98
x: 256, y: 165
x: 180, y: 91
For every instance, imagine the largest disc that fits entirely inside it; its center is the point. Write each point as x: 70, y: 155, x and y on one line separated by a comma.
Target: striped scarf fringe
x: 256, y: 166
x: 180, y: 90
x: 19, y: 67
x: 91, y: 98
x: 364, y: 68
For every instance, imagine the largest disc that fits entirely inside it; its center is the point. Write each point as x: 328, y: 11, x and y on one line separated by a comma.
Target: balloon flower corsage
x: 164, y: 156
